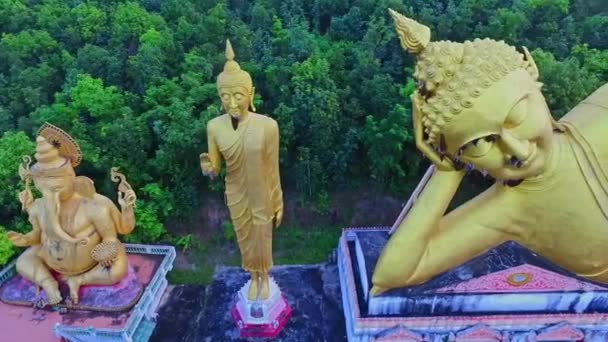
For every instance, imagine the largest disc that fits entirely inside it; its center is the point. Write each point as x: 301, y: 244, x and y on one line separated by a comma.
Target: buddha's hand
x: 18, y: 239
x: 278, y: 218
x: 207, y: 166
x: 442, y: 164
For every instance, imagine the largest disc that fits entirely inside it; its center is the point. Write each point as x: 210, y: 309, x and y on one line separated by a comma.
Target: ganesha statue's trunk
x: 52, y: 208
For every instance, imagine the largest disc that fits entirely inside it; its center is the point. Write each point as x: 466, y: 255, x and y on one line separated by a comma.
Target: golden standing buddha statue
x: 74, y: 229
x: 249, y: 143
x: 479, y: 104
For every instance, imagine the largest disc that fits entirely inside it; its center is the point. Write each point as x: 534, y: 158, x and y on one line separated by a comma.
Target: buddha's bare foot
x: 74, y: 285
x: 253, y: 289
x: 265, y: 291
x: 51, y: 288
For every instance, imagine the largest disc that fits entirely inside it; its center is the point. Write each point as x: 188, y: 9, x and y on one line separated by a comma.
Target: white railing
x: 141, y: 311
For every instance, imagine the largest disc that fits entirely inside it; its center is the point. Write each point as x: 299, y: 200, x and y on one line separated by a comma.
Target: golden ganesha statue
x: 74, y: 229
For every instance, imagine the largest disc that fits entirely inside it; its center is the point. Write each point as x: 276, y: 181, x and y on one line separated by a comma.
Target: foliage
x: 13, y: 146
x: 229, y: 232
x: 7, y: 249
x: 298, y: 245
x: 387, y: 141
x: 566, y: 82
x: 151, y: 213
x: 134, y: 83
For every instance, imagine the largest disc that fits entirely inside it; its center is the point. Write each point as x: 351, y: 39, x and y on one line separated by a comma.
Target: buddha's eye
x: 518, y: 114
x: 225, y: 97
x: 479, y: 147
x: 238, y: 97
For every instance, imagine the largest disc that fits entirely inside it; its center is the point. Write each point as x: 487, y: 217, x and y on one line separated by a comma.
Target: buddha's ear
x: 84, y: 186
x: 531, y: 68
x: 252, y: 97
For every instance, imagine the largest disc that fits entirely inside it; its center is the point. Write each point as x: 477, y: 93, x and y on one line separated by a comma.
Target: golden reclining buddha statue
x: 74, y: 229
x: 479, y: 105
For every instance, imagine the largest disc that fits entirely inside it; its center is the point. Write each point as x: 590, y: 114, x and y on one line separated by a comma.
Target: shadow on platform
x: 197, y: 313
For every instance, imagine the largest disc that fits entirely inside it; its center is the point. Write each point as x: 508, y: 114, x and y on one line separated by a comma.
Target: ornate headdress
x: 233, y: 75
x: 57, y: 154
x: 451, y: 75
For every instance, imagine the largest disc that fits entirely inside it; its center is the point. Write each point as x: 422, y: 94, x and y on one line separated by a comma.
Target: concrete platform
x: 151, y: 263
x: 197, y: 313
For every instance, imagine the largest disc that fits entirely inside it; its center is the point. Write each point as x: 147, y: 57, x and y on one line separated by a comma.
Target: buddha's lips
x: 531, y: 156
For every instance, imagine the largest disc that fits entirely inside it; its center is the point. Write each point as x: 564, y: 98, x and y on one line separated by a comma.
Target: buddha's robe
x: 581, y: 187
x: 563, y: 214
x: 253, y: 188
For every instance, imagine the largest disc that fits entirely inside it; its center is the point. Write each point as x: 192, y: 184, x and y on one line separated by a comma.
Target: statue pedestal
x: 261, y: 318
x: 506, y: 294
x: 102, y: 315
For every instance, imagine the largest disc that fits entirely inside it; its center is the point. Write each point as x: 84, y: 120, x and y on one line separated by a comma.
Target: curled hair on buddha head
x: 451, y: 75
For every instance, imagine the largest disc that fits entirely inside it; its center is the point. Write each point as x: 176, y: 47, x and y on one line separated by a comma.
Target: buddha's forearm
x: 431, y: 205
x: 276, y: 196
x: 414, y: 233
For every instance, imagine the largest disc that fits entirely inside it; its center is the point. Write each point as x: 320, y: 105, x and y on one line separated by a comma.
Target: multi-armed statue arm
x: 27, y: 201
x: 126, y: 199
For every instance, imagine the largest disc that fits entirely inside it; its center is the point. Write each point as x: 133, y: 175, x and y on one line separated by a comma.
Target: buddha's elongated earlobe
x: 252, y: 97
x: 531, y: 67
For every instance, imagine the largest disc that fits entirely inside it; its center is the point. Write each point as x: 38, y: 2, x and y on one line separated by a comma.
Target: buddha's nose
x: 514, y: 147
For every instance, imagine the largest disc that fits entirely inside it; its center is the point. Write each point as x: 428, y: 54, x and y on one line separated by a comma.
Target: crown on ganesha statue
x: 57, y: 154
x: 451, y: 75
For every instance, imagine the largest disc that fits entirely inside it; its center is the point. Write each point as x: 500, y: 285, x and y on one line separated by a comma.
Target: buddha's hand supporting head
x: 478, y: 105
x: 235, y: 87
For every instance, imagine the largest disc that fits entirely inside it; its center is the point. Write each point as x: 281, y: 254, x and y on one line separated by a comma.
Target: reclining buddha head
x: 479, y: 103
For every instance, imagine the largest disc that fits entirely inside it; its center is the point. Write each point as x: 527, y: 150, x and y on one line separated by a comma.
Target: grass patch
x: 291, y: 245
x: 201, y: 276
x: 294, y: 245
x: 204, y: 257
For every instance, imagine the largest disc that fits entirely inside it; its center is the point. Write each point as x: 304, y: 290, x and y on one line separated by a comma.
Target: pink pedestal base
x: 266, y: 330
x: 263, y: 318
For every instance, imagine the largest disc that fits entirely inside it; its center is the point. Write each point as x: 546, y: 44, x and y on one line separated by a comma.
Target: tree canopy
x: 134, y: 83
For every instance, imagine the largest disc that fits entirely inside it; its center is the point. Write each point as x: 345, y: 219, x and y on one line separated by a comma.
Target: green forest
x: 134, y: 83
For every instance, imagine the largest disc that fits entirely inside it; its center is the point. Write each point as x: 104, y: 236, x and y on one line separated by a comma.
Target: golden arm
x: 275, y: 177
x: 104, y: 223
x: 211, y: 162
x: 33, y: 237
x: 30, y: 239
x: 428, y: 243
